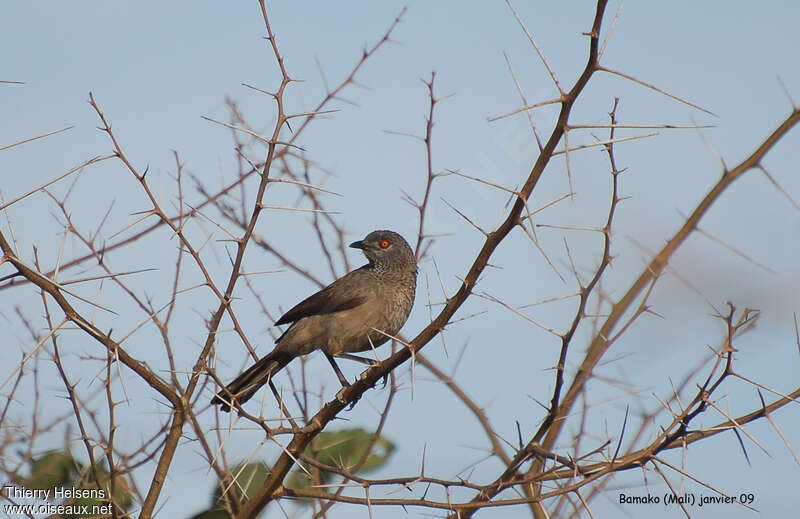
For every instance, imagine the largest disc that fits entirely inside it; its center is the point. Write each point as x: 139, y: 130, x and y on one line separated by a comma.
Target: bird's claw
x: 384, y: 379
x: 342, y: 400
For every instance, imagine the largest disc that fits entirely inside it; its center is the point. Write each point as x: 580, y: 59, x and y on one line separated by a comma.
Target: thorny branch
x: 577, y: 478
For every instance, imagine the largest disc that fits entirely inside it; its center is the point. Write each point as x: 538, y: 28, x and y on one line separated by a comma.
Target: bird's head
x: 387, y: 249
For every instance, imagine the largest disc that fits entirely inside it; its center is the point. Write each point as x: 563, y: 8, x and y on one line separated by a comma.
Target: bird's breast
x: 376, y: 320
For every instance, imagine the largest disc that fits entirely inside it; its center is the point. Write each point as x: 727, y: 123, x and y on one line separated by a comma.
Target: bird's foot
x: 383, y: 380
x: 369, y: 362
x: 341, y: 398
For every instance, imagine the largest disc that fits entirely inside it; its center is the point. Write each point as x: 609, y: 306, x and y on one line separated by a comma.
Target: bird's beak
x: 358, y: 245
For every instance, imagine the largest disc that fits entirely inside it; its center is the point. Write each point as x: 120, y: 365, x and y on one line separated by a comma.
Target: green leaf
x: 346, y: 447
x: 214, y: 513
x: 343, y: 448
x: 248, y: 479
x: 51, y: 469
x: 122, y: 492
x: 58, y: 469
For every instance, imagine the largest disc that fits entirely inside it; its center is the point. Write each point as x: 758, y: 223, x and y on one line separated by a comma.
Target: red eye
x: 385, y: 244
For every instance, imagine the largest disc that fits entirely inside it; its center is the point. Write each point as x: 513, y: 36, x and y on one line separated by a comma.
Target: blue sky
x: 157, y: 68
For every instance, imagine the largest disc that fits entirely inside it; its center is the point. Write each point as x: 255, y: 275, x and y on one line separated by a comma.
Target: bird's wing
x: 332, y: 298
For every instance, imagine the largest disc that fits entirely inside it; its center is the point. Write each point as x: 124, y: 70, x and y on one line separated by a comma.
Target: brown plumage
x: 352, y: 314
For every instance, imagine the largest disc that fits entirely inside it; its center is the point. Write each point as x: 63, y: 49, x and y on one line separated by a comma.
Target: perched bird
x: 356, y: 312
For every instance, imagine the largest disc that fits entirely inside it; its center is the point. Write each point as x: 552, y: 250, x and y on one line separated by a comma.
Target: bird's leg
x: 335, y: 367
x: 368, y: 362
x: 342, y: 379
x: 362, y: 360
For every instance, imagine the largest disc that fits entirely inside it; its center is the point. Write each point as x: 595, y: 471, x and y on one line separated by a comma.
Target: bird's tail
x: 246, y: 384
